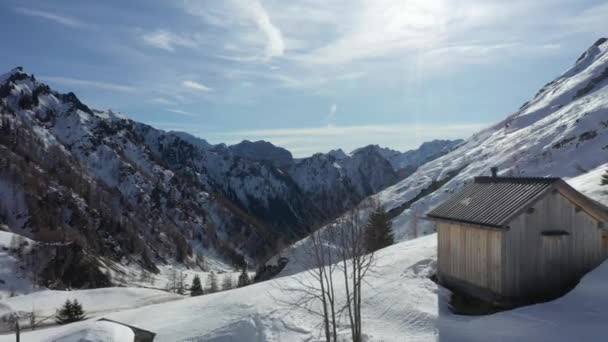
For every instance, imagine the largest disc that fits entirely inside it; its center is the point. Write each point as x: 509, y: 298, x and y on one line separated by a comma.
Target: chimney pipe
x: 494, y: 172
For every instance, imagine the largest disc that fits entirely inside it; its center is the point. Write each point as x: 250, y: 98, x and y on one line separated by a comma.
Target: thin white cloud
x: 90, y: 84
x: 333, y: 109
x: 347, y: 130
x: 314, y: 43
x: 246, y: 28
x: 57, y: 18
x: 180, y: 112
x: 196, y: 86
x: 275, y: 46
x: 162, y: 100
x: 168, y: 41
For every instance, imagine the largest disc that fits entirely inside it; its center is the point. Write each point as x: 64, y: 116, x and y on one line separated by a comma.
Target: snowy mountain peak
x: 17, y: 70
x: 562, y: 131
x: 407, y: 162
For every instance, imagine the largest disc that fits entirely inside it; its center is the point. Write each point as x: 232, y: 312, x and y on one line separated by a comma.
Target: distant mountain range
x: 115, y: 190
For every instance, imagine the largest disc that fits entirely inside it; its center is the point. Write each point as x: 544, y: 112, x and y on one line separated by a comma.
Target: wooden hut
x: 513, y: 241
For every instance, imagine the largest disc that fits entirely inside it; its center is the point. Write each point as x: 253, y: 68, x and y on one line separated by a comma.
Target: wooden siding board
x: 537, y: 265
x: 470, y: 254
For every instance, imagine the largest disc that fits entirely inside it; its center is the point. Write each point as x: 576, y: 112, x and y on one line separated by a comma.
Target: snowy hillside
x: 46, y: 302
x: 562, y: 131
x: 402, y: 303
x: 13, y: 279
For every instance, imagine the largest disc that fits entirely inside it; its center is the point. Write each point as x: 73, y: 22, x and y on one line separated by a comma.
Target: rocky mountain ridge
x: 123, y: 191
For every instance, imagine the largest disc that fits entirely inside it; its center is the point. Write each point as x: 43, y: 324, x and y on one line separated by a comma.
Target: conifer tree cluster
x: 196, y: 289
x: 604, y: 178
x: 70, y: 312
x: 378, y: 231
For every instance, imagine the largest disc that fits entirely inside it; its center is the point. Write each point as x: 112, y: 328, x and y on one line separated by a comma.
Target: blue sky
x: 308, y: 75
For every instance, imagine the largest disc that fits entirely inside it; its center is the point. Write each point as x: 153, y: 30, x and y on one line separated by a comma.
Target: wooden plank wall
x: 537, y: 265
x: 470, y: 254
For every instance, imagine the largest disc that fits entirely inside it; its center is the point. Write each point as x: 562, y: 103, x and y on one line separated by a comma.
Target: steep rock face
x: 202, y: 143
x: 405, y: 163
x: 338, y: 183
x: 262, y: 151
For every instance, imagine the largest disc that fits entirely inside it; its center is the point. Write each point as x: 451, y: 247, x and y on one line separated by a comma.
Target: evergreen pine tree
x: 378, y: 231
x: 63, y: 314
x: 196, y: 289
x: 77, y: 311
x: 243, y: 278
x: 212, y: 282
x: 604, y: 178
x: 71, y: 311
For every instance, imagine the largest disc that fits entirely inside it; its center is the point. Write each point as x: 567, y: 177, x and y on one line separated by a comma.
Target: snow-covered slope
x: 400, y: 304
x: 13, y: 279
x: 46, y: 302
x: 98, y: 332
x: 562, y: 131
x: 589, y: 184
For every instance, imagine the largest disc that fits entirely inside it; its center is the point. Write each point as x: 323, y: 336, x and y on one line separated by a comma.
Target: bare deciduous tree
x: 212, y: 282
x: 176, y: 283
x: 355, y: 263
x: 338, y: 251
x: 12, y: 319
x: 227, y: 282
x: 315, y: 292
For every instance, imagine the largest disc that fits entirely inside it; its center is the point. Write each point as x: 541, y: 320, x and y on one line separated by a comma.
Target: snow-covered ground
x: 134, y: 276
x: 96, y: 302
x: 578, y: 316
x: 401, y: 304
x: 589, y: 184
x: 98, y: 332
x: 400, y: 295
x: 13, y: 280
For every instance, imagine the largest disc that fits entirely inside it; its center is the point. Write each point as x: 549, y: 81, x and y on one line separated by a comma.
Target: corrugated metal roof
x: 489, y: 201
